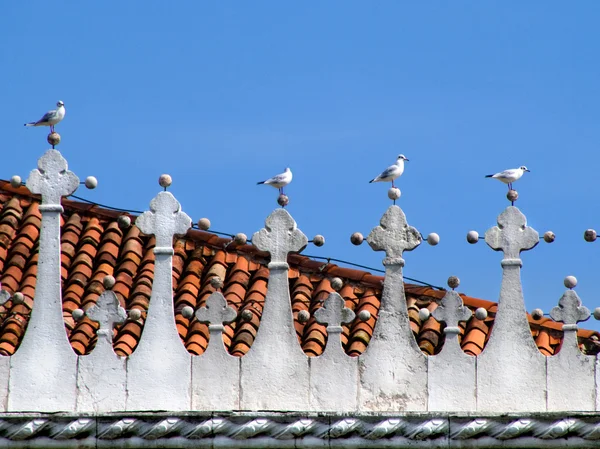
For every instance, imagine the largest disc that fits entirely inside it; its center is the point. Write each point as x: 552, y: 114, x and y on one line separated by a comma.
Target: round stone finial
x: 54, y: 138
x: 433, y: 239
x: 589, y: 235
x: 165, y: 180
x: 16, y: 181
x: 135, y: 314
x: 204, y: 224
x: 108, y: 282
x: 357, y: 238
x: 124, y: 221
x: 512, y: 196
x: 537, y: 314
x: 318, y: 240
x: 247, y: 315
x: 481, y: 313
x: 18, y: 298
x: 240, y: 238
x: 283, y: 200
x: 549, y: 236
x: 596, y: 313
x: 472, y: 237
x: 303, y: 316
x: 216, y: 282
x: 424, y: 314
x: 364, y: 315
x: 77, y: 314
x: 337, y: 284
x: 91, y: 182
x: 453, y: 282
x: 570, y: 282
x: 394, y: 193
x: 187, y: 312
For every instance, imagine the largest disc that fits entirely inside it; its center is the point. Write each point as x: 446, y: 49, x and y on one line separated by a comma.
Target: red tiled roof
x: 93, y: 246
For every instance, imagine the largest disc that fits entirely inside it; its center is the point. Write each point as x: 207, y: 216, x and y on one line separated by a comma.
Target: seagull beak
x: 528, y: 171
x: 407, y: 160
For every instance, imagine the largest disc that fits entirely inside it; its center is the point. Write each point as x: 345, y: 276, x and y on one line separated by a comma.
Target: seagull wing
x: 48, y: 116
x: 506, y: 173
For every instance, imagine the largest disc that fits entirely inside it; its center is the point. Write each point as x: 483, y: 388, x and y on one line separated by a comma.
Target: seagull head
x: 522, y: 167
x: 287, y: 169
x: 402, y: 157
x: 60, y: 103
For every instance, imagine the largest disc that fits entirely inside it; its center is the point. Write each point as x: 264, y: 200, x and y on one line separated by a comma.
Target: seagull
x: 51, y: 118
x: 509, y: 176
x: 279, y: 181
x: 392, y: 172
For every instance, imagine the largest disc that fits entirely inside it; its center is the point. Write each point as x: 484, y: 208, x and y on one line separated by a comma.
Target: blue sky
x: 224, y: 94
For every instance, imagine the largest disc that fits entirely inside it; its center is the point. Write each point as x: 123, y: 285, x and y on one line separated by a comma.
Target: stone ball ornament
x: 165, y: 180
x: 53, y: 138
x: 124, y: 221
x: 216, y: 282
x: 337, y: 284
x: 433, y: 239
x: 537, y: 314
x: 481, y: 313
x: 204, y: 224
x: 240, y: 238
x: 187, y: 312
x: 135, y: 314
x: 549, y: 236
x: 357, y: 238
x: 394, y: 193
x: 108, y: 282
x: 590, y: 235
x: 424, y: 314
x: 77, y: 314
x: 472, y: 237
x: 18, y: 298
x: 246, y: 315
x: 303, y: 316
x: 318, y: 240
x: 570, y: 282
x: 91, y: 182
x: 512, y: 196
x: 596, y: 313
x: 283, y: 200
x: 364, y: 315
x: 16, y: 181
x: 453, y: 282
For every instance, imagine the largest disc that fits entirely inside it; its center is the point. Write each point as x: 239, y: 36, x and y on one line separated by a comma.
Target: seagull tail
x: 261, y: 182
x: 372, y: 180
x: 30, y: 124
x: 489, y: 176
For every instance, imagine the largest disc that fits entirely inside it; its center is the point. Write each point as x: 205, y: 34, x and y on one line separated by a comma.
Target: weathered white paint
x: 159, y: 370
x: 511, y: 371
x: 393, y: 370
x: 275, y: 373
x: 571, y: 382
x: 101, y: 375
x: 43, y: 370
x: 216, y: 374
x: 4, y: 365
x: 334, y: 375
x: 451, y: 373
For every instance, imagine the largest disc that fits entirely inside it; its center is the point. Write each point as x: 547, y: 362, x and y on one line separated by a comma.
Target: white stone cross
x: 451, y: 310
x: 394, y: 236
x: 512, y: 235
x: 52, y: 179
x: 570, y: 311
x: 164, y: 220
x: 107, y: 311
x: 280, y: 236
x: 334, y: 313
x: 216, y: 312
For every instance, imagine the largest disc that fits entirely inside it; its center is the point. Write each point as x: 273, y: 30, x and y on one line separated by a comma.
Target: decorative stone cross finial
x: 108, y: 312
x: 52, y: 179
x: 216, y: 312
x: 279, y: 237
x: 164, y: 220
x: 394, y: 236
x: 334, y: 313
x: 451, y: 310
x: 570, y: 311
x: 512, y: 235
x: 4, y: 296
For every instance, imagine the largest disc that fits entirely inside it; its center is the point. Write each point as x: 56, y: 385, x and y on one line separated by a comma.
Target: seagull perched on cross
x: 279, y: 181
x: 509, y: 176
x: 51, y: 118
x: 392, y: 172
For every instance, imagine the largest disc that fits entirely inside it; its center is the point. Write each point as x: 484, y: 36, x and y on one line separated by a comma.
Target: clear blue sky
x: 224, y: 94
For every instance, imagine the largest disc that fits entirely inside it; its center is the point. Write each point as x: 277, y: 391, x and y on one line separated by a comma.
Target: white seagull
x: 392, y: 172
x: 279, y: 181
x: 51, y: 118
x: 509, y: 176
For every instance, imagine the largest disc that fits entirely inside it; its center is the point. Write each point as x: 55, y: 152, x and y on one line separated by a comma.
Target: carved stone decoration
x: 275, y: 356
x: 159, y: 370
x: 101, y: 377
x: 511, y: 372
x: 571, y: 384
x: 216, y: 374
x: 393, y: 370
x: 451, y: 373
x: 334, y: 375
x: 45, y: 353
